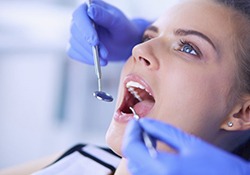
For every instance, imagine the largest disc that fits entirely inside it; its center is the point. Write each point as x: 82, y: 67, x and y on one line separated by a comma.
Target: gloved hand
x: 194, y: 157
x: 115, y: 34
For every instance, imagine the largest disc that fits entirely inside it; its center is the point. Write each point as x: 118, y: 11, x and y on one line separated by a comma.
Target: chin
x: 114, y: 136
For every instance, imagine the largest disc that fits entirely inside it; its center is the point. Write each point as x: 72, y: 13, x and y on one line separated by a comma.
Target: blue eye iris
x: 187, y: 48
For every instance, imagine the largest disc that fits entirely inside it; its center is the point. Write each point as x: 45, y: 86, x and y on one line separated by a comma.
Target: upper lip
x: 138, y: 79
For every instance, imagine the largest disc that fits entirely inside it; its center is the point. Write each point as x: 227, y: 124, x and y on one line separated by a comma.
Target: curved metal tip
x: 100, y: 95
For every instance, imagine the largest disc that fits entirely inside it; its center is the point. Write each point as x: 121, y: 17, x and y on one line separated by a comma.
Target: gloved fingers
x: 100, y: 3
x: 166, y: 133
x: 139, y: 159
x: 141, y: 24
x: 168, y: 163
x: 83, y: 49
x: 83, y: 52
x: 84, y: 24
x: 103, y: 52
x: 106, y: 16
x: 135, y: 151
x: 163, y: 164
x: 77, y: 56
x: 77, y: 34
x: 133, y: 145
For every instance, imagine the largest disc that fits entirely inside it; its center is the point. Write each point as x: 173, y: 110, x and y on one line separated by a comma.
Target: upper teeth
x: 134, y: 84
x: 135, y: 93
x: 131, y: 85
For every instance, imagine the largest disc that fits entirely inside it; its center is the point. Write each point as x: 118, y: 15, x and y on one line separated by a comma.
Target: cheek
x: 193, y: 100
x: 126, y: 68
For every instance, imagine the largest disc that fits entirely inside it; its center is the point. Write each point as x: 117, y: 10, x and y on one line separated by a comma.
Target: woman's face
x: 181, y: 74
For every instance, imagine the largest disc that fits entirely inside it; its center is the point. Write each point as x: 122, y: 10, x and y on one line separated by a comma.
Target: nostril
x: 145, y: 61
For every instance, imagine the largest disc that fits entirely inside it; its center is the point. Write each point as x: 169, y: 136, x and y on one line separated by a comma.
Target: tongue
x: 143, y: 108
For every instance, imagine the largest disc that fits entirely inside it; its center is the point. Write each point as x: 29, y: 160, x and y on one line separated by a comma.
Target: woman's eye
x: 187, y: 48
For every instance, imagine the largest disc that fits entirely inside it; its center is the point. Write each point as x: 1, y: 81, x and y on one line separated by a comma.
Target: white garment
x: 74, y: 164
x: 78, y: 164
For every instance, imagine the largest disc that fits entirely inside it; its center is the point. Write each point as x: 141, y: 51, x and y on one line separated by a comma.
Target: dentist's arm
x: 115, y: 34
x: 193, y: 156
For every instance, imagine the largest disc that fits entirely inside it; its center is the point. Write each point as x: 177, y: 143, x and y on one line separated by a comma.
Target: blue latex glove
x: 115, y: 34
x: 194, y: 157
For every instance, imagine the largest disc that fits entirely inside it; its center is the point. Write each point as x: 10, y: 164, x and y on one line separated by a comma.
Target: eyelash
x: 181, y: 45
x: 146, y: 38
x: 193, y: 48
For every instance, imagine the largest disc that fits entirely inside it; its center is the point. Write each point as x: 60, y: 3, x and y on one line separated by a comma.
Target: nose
x: 145, y: 54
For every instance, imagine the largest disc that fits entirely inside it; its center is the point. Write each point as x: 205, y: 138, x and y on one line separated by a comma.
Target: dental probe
x: 99, y: 94
x: 146, y: 138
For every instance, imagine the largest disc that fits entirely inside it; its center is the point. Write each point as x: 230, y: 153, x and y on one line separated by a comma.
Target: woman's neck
x: 122, y: 168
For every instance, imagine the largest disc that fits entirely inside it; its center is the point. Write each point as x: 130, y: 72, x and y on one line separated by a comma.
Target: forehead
x: 203, y: 15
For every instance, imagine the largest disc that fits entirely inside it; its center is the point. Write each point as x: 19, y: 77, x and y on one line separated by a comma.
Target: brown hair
x: 242, y: 38
x: 241, y: 17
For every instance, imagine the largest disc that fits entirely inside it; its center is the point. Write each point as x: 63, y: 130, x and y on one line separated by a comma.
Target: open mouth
x: 139, y: 96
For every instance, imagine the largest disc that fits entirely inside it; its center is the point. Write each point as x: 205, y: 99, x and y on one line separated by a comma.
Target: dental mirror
x: 101, y: 95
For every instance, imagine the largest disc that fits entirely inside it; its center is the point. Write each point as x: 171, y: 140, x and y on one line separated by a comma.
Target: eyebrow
x: 183, y: 32
x: 153, y: 29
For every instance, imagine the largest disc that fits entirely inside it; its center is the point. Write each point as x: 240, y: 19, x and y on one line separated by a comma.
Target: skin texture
x: 192, y: 88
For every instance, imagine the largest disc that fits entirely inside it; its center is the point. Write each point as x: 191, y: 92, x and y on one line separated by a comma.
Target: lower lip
x: 122, y: 118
